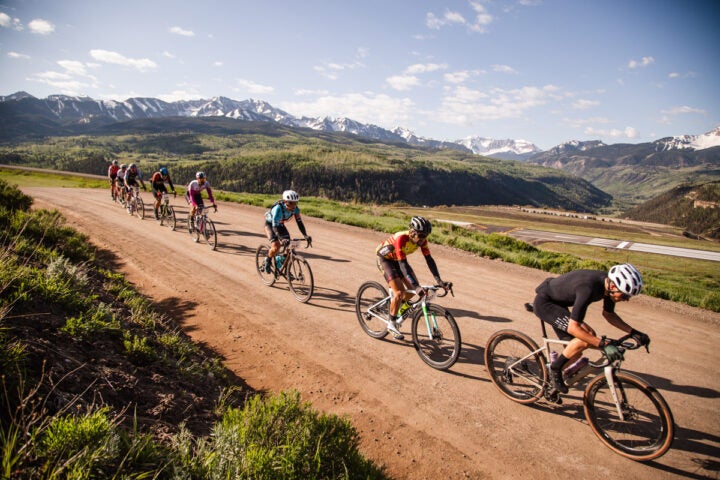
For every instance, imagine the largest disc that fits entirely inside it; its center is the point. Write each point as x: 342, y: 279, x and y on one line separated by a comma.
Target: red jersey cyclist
x: 157, y: 182
x: 275, y: 229
x: 392, y: 256
x: 194, y: 194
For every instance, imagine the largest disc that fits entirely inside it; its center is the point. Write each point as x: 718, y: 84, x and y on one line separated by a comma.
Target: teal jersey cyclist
x: 275, y: 229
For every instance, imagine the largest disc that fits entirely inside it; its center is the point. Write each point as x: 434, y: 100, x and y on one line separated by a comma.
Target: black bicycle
x: 288, y: 264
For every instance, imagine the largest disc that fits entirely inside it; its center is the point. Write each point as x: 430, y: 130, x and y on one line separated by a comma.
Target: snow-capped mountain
x: 690, y: 142
x: 505, y: 149
x: 574, y: 146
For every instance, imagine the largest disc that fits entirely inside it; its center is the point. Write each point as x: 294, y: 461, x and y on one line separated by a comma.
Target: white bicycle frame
x: 430, y: 293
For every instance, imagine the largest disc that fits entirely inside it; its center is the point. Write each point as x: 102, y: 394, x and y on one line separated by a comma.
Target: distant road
x: 534, y: 236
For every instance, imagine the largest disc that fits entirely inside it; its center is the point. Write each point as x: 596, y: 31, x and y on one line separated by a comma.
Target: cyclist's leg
x: 274, y: 246
x: 558, y: 317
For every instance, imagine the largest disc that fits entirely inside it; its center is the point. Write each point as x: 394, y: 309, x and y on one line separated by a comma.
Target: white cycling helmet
x: 291, y: 196
x: 626, y: 278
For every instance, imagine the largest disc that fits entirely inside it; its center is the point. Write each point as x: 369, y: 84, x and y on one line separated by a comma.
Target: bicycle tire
x: 210, y: 234
x: 260, y: 255
x: 369, y: 294
x: 300, y: 279
x: 194, y: 233
x: 441, y: 348
x: 648, y: 429
x: 521, y: 381
x: 168, y: 217
x: 139, y: 208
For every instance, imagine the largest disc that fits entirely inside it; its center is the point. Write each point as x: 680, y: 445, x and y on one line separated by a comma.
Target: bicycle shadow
x: 460, y: 313
x: 316, y: 256
x: 693, y: 441
x: 471, y: 354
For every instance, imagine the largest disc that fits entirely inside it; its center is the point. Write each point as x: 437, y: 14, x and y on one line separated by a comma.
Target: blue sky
x: 546, y: 71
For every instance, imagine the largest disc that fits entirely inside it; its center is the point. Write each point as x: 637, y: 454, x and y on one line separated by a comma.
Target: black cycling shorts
x: 273, y: 235
x: 390, y: 268
x: 158, y: 188
x: 556, y: 315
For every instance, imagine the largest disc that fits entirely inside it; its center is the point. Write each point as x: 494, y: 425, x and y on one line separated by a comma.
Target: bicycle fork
x: 610, y: 377
x: 431, y: 324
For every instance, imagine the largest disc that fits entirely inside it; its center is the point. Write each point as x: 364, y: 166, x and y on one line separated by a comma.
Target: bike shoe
x: 558, y: 383
x: 392, y: 328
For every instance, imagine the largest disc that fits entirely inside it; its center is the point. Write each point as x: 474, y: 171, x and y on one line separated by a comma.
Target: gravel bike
x: 435, y: 333
x: 288, y: 264
x: 135, y: 205
x: 114, y: 191
x: 166, y: 212
x: 626, y: 413
x: 201, y: 225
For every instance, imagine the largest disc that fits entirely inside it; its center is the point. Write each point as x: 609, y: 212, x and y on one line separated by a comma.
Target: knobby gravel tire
x: 370, y: 293
x: 440, y: 347
x: 521, y: 381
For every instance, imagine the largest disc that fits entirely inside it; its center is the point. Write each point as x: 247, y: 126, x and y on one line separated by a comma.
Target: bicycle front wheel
x: 168, y: 217
x: 646, y: 429
x: 268, y: 278
x: 300, y: 279
x: 193, y: 231
x: 436, y: 337
x: 210, y: 234
x: 139, y: 208
x: 372, y: 301
x: 515, y: 365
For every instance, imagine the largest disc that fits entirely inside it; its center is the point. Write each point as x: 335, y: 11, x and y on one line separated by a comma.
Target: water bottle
x: 576, y: 366
x: 279, y: 259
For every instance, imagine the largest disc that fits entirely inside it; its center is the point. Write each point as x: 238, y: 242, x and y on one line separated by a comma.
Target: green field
x: 693, y: 282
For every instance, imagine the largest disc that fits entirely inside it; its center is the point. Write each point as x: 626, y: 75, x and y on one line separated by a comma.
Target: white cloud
x: 177, y: 95
x: 403, y: 82
x: 366, y: 107
x: 18, y: 55
x: 682, y: 75
x: 253, y: 87
x: 181, y: 31
x: 465, y: 106
x: 73, y: 67
x: 582, y: 104
x: 218, y: 64
x: 41, y: 27
x: 450, y: 18
x: 482, y: 19
x: 644, y: 62
x: 683, y: 110
x: 5, y: 20
x: 424, y: 68
x: 115, y: 58
x: 167, y: 54
x: 457, y: 77
x: 61, y: 82
x: 302, y: 92
x: 627, y: 132
x: 504, y: 69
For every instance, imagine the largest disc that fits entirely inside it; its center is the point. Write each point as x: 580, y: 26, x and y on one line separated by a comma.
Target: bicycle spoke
x: 371, y: 307
x: 300, y: 279
x: 515, y: 369
x: 436, y: 337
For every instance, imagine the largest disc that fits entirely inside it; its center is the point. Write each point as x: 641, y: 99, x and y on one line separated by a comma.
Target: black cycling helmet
x: 421, y: 225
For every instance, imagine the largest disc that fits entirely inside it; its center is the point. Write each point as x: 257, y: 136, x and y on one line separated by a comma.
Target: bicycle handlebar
x: 624, y: 343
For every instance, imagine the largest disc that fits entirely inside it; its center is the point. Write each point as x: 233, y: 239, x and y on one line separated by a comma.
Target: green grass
x: 49, y: 430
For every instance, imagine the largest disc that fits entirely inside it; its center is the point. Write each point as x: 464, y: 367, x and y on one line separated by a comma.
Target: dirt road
x: 417, y: 422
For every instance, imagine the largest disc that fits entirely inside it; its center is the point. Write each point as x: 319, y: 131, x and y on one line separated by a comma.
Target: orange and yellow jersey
x: 398, y: 246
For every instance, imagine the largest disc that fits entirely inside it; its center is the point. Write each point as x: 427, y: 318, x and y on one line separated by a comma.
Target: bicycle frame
x: 430, y: 293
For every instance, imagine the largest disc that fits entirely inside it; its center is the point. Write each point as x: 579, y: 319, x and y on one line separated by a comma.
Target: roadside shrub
x: 98, y: 320
x: 11, y: 198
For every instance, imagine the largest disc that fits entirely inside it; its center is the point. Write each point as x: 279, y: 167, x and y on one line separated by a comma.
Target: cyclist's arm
x: 583, y: 332
x: 433, y: 268
x: 171, y: 184
x: 210, y: 195
x: 408, y: 272
x: 617, y: 322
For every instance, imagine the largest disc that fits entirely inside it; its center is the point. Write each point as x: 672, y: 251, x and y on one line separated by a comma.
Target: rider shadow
x: 662, y: 383
x: 316, y: 256
x: 459, y: 313
x: 176, y: 308
x: 695, y: 442
x: 346, y: 303
x: 470, y: 354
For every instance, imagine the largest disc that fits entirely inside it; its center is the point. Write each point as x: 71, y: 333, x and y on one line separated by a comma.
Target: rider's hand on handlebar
x: 420, y: 291
x: 215, y: 207
x: 612, y: 352
x: 174, y: 194
x: 308, y: 239
x: 641, y: 338
x: 285, y: 242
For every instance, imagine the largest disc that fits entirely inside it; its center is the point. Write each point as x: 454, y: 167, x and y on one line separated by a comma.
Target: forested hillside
x: 260, y: 157
x: 696, y: 208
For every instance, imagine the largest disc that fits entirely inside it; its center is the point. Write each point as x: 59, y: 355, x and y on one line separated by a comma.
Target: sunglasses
x: 421, y: 235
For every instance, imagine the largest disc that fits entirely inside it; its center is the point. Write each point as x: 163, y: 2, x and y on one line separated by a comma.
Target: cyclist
x: 275, y: 228
x: 157, y: 183
x: 120, y: 180
x: 132, y: 175
x: 578, y: 289
x: 194, y: 195
x: 392, y: 259
x: 112, y: 175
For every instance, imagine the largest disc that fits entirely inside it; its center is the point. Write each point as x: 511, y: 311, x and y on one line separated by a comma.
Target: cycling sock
x: 559, y: 362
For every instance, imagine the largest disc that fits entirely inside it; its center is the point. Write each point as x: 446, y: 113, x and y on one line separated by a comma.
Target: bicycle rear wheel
x: 515, y: 370
x: 437, y: 338
x: 168, y: 217
x: 139, y: 208
x: 372, y: 301
x: 647, y: 430
x: 300, y: 279
x: 210, y: 234
x: 268, y: 278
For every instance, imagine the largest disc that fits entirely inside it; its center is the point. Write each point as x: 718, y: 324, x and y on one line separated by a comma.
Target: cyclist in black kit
x: 578, y: 289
